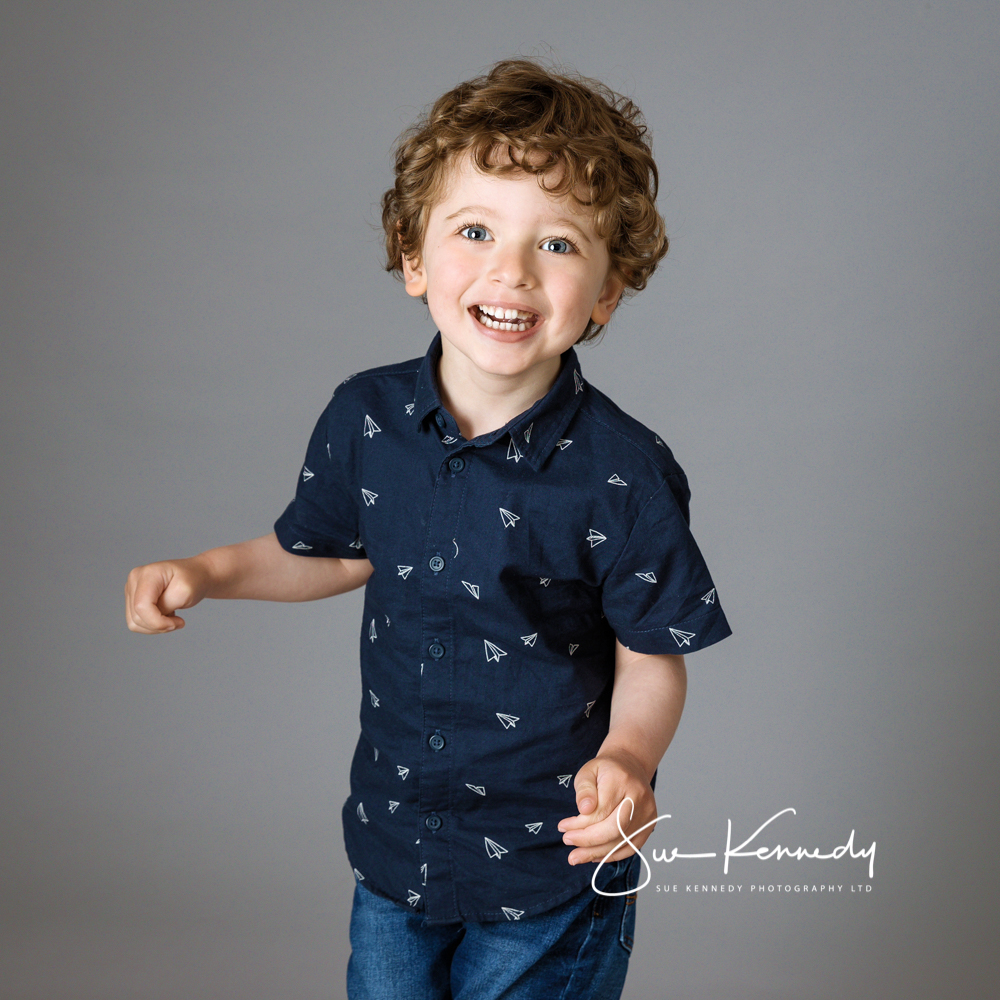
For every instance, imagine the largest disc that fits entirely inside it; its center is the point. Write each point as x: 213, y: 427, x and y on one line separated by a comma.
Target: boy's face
x: 503, y: 243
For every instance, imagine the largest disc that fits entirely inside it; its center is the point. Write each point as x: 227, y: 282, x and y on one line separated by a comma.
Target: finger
x: 585, y: 784
x: 147, y: 590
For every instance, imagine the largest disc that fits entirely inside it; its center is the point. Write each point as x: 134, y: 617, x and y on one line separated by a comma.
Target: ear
x: 414, y: 276
x: 610, y: 295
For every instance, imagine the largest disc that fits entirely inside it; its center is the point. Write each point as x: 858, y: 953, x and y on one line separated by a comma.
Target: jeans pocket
x: 626, y: 933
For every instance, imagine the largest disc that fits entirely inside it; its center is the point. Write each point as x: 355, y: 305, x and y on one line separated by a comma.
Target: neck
x: 480, y: 402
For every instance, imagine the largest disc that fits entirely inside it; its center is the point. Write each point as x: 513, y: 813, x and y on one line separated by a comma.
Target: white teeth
x: 499, y: 313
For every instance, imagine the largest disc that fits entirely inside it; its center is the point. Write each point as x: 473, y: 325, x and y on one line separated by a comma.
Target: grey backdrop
x: 191, y: 262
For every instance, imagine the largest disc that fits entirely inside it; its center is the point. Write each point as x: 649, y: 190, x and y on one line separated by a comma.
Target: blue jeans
x: 579, y: 950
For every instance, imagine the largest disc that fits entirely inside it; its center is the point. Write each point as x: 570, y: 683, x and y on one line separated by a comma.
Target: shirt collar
x: 532, y: 434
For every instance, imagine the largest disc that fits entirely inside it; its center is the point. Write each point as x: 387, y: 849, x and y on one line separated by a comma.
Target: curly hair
x: 520, y: 116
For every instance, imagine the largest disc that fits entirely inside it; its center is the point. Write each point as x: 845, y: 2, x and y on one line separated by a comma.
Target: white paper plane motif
x: 302, y: 546
x: 492, y: 652
x: 369, y: 497
x: 590, y: 705
x: 682, y: 638
x: 648, y: 577
x: 374, y: 698
x: 529, y: 640
x: 564, y: 779
x: 423, y: 874
x: 357, y: 543
x: 453, y: 542
x: 404, y: 571
x: 371, y: 428
x: 595, y: 538
x: 328, y: 455
x: 306, y: 474
x: 448, y: 439
x: 512, y: 914
x: 372, y: 634
x: 577, y: 381
x: 358, y: 875
x: 402, y: 771
x: 533, y: 827
x: 545, y: 580
x: 387, y: 620
x: 563, y: 443
x: 509, y: 519
x: 493, y: 849
x: 413, y: 898
x: 361, y: 812
x: 708, y: 598
x: 573, y: 647
x: 376, y: 752
x: 656, y: 437
x: 472, y: 588
x: 478, y: 789
x: 617, y: 480
x: 410, y: 408
x: 393, y: 806
x: 508, y: 720
x: 513, y: 452
x: 527, y: 433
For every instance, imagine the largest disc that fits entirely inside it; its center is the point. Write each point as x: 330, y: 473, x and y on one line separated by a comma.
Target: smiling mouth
x: 498, y: 318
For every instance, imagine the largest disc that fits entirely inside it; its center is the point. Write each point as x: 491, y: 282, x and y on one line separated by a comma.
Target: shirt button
x: 436, y: 564
x: 436, y: 741
x: 436, y: 649
x: 439, y: 420
x: 433, y: 822
x: 456, y: 464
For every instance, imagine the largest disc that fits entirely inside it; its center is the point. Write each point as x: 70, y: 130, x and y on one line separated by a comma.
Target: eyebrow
x: 484, y: 210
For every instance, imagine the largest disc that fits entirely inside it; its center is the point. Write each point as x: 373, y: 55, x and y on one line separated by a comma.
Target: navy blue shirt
x: 505, y: 567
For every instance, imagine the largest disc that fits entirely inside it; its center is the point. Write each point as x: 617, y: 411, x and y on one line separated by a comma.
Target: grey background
x: 191, y: 262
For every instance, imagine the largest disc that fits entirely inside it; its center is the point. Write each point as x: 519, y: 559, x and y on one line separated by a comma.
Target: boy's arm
x: 646, y: 705
x: 259, y: 570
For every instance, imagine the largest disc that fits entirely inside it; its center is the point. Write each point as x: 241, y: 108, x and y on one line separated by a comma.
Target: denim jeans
x: 577, y: 951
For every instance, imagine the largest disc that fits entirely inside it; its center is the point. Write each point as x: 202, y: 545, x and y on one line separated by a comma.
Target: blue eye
x: 477, y: 234
x: 558, y: 246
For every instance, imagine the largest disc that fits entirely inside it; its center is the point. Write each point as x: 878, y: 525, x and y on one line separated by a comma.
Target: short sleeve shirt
x: 504, y: 569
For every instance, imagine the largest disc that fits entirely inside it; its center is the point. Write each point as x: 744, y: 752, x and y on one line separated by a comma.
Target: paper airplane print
x: 563, y: 443
x: 374, y: 698
x: 529, y: 640
x: 301, y: 546
x: 372, y: 634
x: 577, y: 381
x: 509, y: 519
x: 358, y: 875
x: 361, y: 812
x: 708, y: 598
x: 564, y: 779
x: 402, y: 771
x: 493, y: 849
x: 493, y: 652
x: 573, y: 647
x: 508, y: 721
x: 527, y: 433
x: 682, y: 638
x: 410, y: 407
x: 413, y: 898
x: 371, y: 428
x: 512, y: 914
x: 656, y: 438
x: 590, y: 705
x: 393, y: 806
x: 648, y: 577
x: 448, y: 439
x: 595, y: 538
x: 404, y: 571
x: 376, y: 752
x: 478, y: 789
x: 513, y: 452
x: 357, y: 544
x: 545, y: 580
x: 472, y: 588
x: 369, y: 497
x: 423, y: 874
x: 533, y: 827
x: 617, y: 480
x: 306, y: 474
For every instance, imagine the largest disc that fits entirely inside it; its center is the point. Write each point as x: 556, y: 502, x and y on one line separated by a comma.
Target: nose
x: 511, y: 267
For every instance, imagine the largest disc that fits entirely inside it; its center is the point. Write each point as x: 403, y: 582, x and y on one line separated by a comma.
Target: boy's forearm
x: 646, y: 705
x: 260, y: 569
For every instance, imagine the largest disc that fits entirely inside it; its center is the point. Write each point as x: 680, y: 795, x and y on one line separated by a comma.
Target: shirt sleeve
x: 322, y: 520
x: 659, y: 597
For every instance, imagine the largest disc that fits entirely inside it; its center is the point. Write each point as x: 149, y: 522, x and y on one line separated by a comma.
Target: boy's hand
x: 601, y: 786
x: 153, y: 594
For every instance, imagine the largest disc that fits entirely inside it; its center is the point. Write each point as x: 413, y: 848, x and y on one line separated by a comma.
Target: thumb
x: 585, y: 784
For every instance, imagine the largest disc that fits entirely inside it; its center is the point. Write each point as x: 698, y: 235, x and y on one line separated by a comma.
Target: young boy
x: 531, y: 580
